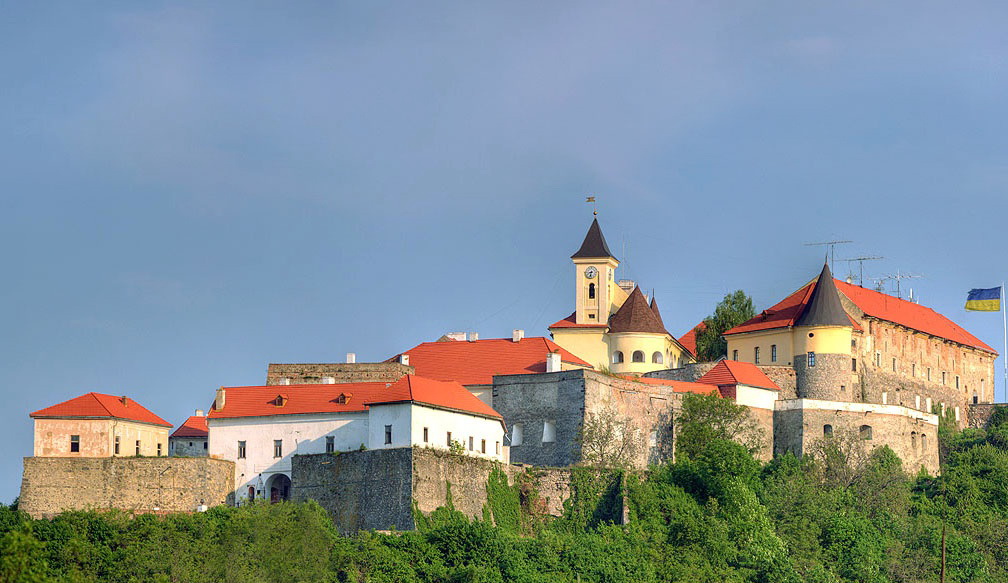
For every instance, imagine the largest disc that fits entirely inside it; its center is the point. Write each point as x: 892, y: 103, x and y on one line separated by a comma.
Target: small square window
x: 277, y: 448
x: 74, y: 444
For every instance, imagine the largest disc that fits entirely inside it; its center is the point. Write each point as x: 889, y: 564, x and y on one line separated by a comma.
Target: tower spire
x: 594, y: 244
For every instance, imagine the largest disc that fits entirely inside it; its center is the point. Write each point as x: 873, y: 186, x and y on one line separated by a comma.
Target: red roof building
x: 99, y: 425
x: 730, y: 372
x: 100, y: 406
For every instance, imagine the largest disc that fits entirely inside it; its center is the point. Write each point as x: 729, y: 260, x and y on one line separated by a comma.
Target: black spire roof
x: 824, y: 307
x: 594, y: 244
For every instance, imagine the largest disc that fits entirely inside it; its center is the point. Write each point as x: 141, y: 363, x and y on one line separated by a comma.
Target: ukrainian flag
x: 984, y: 300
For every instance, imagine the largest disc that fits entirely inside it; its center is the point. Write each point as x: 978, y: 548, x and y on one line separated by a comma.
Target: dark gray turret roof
x: 824, y: 307
x: 594, y: 244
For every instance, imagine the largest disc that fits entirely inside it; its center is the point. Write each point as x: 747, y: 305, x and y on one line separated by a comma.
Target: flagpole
x: 1004, y: 357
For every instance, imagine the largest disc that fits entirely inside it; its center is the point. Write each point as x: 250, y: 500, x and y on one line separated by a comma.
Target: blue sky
x: 192, y: 191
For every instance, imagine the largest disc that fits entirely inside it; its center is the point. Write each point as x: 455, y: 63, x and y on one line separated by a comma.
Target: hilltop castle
x: 829, y: 358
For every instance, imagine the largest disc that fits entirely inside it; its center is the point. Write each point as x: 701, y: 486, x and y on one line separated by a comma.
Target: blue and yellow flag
x: 984, y: 300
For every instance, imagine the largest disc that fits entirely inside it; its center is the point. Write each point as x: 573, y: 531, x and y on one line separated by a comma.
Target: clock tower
x: 595, y: 279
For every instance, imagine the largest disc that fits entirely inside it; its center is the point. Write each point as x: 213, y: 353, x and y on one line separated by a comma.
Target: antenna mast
x: 901, y: 276
x: 832, y: 247
x: 861, y: 261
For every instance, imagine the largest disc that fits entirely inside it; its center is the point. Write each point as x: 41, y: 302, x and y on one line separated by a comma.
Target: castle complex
x: 829, y: 359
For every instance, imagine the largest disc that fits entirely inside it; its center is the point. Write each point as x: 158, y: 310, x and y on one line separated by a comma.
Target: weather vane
x: 591, y: 199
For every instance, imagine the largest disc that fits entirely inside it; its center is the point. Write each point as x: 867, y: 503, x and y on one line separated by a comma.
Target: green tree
x: 704, y: 418
x: 735, y: 308
x: 608, y: 440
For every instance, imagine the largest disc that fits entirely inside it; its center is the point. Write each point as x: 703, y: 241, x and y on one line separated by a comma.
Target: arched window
x: 617, y: 357
x: 865, y: 432
x: 591, y: 291
x: 827, y: 430
x: 657, y: 358
x: 923, y: 442
x: 913, y: 439
x: 638, y: 356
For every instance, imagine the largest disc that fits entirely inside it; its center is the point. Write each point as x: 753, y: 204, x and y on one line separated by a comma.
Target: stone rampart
x: 137, y: 485
x: 339, y: 372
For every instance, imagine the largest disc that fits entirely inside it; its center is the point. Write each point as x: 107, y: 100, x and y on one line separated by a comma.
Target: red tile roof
x: 194, y: 426
x: 99, y: 406
x: 475, y: 363
x: 688, y: 340
x: 261, y: 401
x: 872, y: 303
x: 731, y: 372
x: 570, y: 322
x: 677, y: 386
x: 447, y: 395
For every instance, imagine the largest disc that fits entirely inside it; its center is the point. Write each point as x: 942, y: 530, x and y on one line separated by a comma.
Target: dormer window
x: 343, y: 399
x: 279, y: 401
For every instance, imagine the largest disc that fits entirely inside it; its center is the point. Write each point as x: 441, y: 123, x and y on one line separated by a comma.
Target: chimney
x: 125, y: 400
x: 473, y: 336
x: 219, y: 399
x: 351, y: 357
x: 199, y: 413
x: 517, y: 335
x: 553, y: 362
x: 404, y: 359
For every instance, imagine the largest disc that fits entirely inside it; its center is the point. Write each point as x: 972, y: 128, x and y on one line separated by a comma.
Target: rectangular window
x: 449, y: 439
x: 773, y: 353
x: 497, y: 448
x: 756, y: 355
x: 811, y: 359
x: 482, y: 446
x: 159, y: 450
x: 957, y: 381
x: 734, y: 354
x: 138, y: 447
x: 74, y: 444
x: 470, y: 443
x: 913, y: 369
x: 878, y: 358
x: 894, y: 365
x: 517, y: 434
x: 425, y: 435
x: 943, y: 377
x: 853, y: 364
x: 549, y: 431
x: 277, y: 448
x: 241, y: 450
x: 929, y: 373
x: 388, y: 435
x: 330, y: 444
x: 116, y: 447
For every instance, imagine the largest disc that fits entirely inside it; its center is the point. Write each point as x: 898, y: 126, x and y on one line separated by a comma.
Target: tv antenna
x: 832, y: 247
x: 861, y: 261
x: 899, y: 276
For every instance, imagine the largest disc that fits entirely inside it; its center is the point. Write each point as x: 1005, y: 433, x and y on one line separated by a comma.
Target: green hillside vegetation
x: 715, y: 515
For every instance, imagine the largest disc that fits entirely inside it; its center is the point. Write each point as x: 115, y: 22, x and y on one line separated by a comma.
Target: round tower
x: 822, y: 345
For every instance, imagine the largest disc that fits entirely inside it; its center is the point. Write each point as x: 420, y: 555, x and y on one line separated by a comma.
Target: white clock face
x: 591, y: 272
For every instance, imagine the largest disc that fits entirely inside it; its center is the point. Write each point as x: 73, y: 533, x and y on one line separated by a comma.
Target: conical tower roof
x: 635, y: 315
x: 594, y: 244
x: 824, y: 307
x: 654, y: 308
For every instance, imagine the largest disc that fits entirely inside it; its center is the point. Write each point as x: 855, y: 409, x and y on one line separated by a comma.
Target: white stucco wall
x: 755, y: 396
x: 300, y: 434
x: 408, y: 421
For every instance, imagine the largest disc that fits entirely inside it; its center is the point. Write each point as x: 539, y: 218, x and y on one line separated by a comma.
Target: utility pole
x: 832, y: 247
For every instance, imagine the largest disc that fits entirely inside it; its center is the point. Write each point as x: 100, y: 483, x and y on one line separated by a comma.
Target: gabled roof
x: 194, y: 426
x: 635, y: 315
x: 594, y: 244
x: 100, y: 406
x: 874, y: 304
x: 731, y: 372
x: 442, y: 394
x: 823, y: 307
x: 476, y: 362
x: 688, y: 340
x: 261, y: 401
x: 571, y: 322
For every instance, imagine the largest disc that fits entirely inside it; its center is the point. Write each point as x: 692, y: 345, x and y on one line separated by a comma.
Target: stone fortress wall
x: 339, y: 372
x: 132, y: 484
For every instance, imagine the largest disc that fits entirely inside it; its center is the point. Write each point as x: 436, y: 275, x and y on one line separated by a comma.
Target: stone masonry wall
x: 341, y: 372
x: 378, y: 489
x: 829, y: 379
x: 564, y: 399
x: 979, y: 415
x: 137, y: 485
x: 361, y: 490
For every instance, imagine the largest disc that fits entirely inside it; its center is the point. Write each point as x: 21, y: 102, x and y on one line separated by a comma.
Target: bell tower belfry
x: 594, y: 278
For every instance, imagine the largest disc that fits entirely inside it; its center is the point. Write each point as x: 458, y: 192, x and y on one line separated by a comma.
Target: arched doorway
x: 278, y: 486
x: 251, y: 493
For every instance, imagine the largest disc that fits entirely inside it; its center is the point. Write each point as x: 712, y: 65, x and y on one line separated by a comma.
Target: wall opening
x: 865, y: 432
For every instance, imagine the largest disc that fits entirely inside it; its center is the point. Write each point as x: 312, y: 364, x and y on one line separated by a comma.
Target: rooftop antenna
x: 861, y: 261
x: 832, y: 248
x: 900, y: 276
